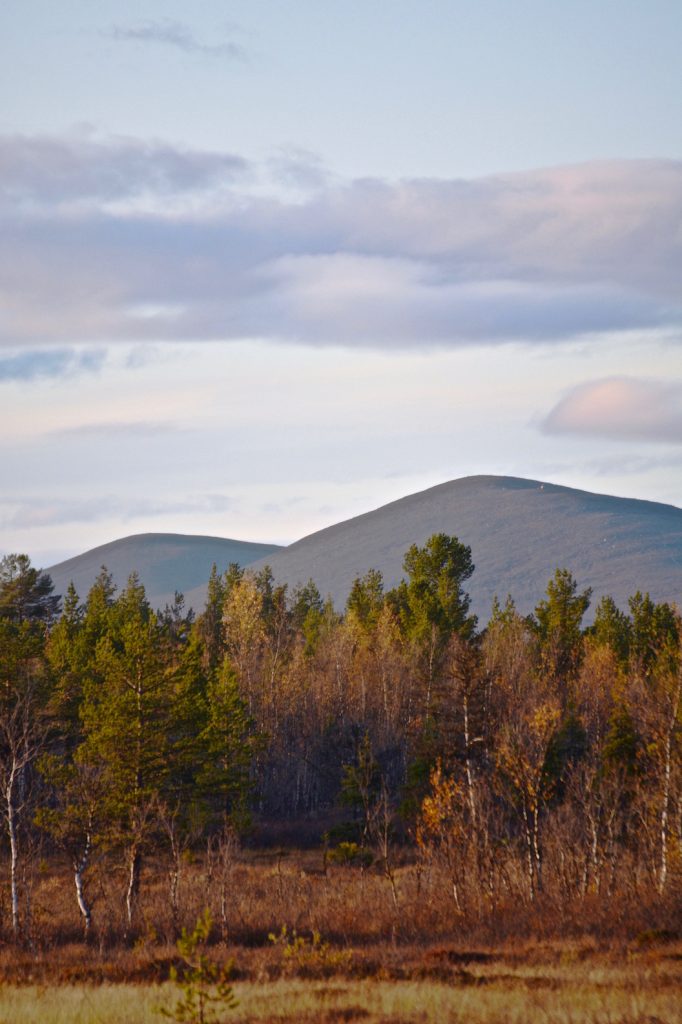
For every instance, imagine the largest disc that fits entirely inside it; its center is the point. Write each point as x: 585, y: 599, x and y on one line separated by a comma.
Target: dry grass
x: 494, y: 994
x: 347, y: 905
x: 586, y: 964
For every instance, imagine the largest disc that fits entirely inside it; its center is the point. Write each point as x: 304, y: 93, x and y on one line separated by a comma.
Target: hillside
x: 165, y: 562
x: 519, y: 531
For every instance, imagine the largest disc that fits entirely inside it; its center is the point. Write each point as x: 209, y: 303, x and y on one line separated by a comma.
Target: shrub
x: 205, y: 987
x: 311, y: 957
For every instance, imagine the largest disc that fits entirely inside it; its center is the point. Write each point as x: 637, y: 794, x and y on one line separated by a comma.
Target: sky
x: 265, y: 266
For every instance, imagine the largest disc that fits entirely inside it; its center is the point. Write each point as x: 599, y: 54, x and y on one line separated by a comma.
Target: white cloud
x: 30, y: 513
x: 539, y: 256
x: 622, y: 408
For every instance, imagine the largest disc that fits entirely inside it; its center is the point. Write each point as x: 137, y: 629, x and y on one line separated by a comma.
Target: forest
x: 433, y: 777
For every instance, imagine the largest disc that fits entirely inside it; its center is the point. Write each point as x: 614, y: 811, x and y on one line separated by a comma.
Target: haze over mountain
x: 519, y: 531
x: 165, y: 562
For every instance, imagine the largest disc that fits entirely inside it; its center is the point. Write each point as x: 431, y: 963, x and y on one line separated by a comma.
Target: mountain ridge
x: 505, y: 520
x: 520, y: 530
x: 165, y: 562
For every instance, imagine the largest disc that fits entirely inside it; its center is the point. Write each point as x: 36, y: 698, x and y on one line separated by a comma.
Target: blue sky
x: 265, y: 266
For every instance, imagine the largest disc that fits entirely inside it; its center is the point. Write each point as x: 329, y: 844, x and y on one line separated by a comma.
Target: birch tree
x: 26, y: 605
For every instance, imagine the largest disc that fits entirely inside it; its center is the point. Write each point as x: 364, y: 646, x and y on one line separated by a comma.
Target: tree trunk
x: 529, y: 853
x: 174, y: 890
x: 467, y: 762
x: 83, y: 905
x: 12, y: 831
x: 132, y: 893
x: 537, y: 850
x: 667, y: 772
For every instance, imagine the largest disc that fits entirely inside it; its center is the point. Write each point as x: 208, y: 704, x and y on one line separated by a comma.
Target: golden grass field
x: 557, y: 985
x: 348, y: 954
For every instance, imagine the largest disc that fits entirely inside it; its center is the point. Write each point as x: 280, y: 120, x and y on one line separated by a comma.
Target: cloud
x: 370, y: 300
x: 298, y: 168
x: 34, y: 364
x: 621, y: 408
x: 537, y: 257
x: 29, y: 512
x: 177, y: 35
x: 47, y: 172
x: 116, y: 430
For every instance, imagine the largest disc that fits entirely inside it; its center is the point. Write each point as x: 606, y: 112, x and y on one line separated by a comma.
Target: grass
x: 346, y: 905
x: 595, y: 962
x: 372, y: 1001
x: 644, y: 988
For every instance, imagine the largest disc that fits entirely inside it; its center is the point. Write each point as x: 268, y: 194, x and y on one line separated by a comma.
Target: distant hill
x: 519, y: 532
x: 165, y: 562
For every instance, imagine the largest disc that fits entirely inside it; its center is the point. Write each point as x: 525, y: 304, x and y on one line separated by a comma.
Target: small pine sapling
x: 207, y: 994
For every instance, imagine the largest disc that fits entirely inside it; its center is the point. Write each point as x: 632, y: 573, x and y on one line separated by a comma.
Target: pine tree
x: 126, y: 717
x: 431, y: 604
x: 611, y: 628
x: 559, y: 622
x: 26, y: 592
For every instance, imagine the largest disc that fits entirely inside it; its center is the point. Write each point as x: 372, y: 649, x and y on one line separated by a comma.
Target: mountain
x: 519, y: 532
x: 165, y: 562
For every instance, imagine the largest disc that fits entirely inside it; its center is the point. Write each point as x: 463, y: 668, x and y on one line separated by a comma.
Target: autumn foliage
x: 524, y: 775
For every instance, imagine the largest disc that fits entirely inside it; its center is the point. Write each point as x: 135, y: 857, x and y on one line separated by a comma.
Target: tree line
x: 533, y: 753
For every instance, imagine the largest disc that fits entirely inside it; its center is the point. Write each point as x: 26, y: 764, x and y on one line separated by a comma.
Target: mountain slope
x: 519, y: 531
x: 165, y: 562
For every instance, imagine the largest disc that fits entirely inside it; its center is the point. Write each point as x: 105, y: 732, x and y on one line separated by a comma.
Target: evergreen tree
x: 655, y: 632
x: 25, y: 592
x: 366, y: 599
x: 126, y: 717
x: 433, y: 596
x: 210, y: 624
x: 559, y: 621
x: 227, y: 746
x: 307, y: 613
x: 431, y: 604
x: 611, y: 628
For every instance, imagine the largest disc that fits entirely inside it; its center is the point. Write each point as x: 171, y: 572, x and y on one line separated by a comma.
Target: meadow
x: 305, y: 941
x: 567, y: 984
